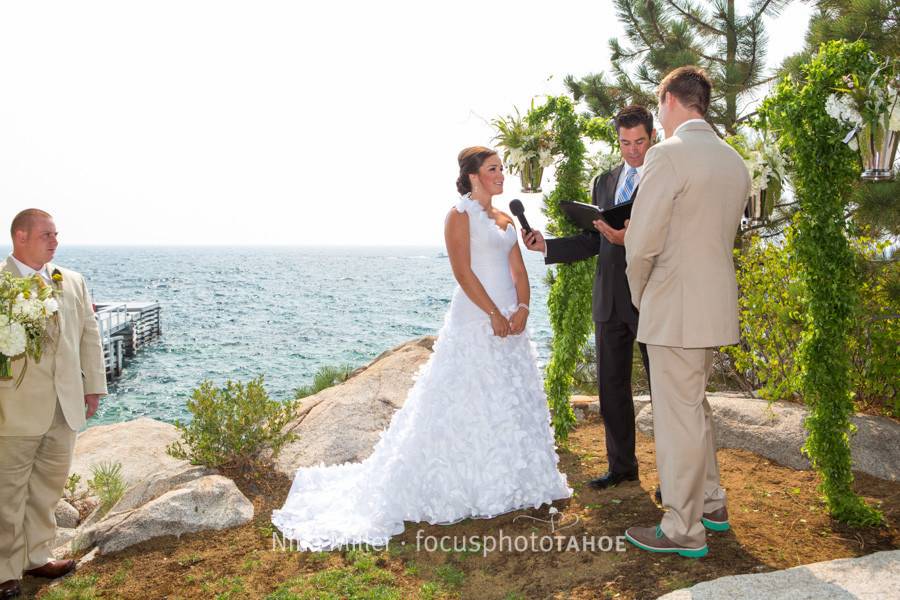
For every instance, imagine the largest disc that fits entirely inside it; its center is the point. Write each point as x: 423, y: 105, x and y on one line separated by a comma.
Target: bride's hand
x: 517, y: 321
x: 499, y: 324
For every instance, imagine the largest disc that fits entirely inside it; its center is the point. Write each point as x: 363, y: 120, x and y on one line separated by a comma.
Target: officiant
x: 615, y: 318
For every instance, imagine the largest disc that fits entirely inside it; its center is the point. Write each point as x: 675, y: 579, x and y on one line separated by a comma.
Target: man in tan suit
x: 680, y: 271
x: 39, y: 418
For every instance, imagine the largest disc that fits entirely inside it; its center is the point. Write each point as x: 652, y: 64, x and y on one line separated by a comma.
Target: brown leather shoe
x: 10, y: 589
x: 716, y: 520
x: 53, y: 569
x: 653, y: 539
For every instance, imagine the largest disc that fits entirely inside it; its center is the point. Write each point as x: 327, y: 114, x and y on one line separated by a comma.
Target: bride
x: 473, y: 438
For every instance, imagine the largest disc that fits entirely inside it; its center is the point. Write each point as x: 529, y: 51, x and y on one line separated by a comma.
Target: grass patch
x: 431, y: 591
x: 191, y: 559
x: 226, y: 588
x: 450, y: 577
x: 107, y: 483
x: 324, y: 378
x: 362, y: 579
x: 79, y: 587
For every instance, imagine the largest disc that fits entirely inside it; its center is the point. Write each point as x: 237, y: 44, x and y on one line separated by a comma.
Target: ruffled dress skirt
x: 472, y: 440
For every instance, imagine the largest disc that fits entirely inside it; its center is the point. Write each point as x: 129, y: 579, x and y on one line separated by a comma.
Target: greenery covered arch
x: 824, y: 170
x: 569, y: 301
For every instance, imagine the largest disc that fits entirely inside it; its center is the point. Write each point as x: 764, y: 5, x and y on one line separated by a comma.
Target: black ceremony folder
x: 584, y: 215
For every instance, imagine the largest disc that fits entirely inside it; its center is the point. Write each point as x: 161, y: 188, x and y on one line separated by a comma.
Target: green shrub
x: 774, y: 314
x: 772, y: 303
x: 71, y: 488
x: 323, y: 379
x: 107, y: 483
x: 233, y: 426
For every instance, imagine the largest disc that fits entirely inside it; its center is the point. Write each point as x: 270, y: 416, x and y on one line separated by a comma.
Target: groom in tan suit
x: 680, y: 271
x: 39, y: 418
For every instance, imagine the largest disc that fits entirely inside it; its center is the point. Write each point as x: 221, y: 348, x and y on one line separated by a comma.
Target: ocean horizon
x: 236, y: 312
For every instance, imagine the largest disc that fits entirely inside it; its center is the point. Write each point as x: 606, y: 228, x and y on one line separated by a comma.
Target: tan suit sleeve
x: 645, y: 236
x: 91, y: 350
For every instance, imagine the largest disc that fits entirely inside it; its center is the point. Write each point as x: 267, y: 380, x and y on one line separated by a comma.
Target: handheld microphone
x: 516, y: 208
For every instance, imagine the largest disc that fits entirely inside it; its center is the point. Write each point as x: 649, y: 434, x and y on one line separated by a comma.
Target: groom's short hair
x: 24, y: 221
x: 690, y: 85
x: 632, y: 116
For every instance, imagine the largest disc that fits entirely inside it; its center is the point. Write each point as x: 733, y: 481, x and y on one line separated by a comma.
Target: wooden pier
x: 125, y: 328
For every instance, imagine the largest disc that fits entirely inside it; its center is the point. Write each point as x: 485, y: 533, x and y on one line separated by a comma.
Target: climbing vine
x: 569, y: 301
x: 824, y: 169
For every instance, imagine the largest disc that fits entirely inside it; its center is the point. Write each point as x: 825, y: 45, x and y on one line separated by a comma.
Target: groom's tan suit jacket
x: 71, y: 365
x: 680, y: 271
x: 683, y: 284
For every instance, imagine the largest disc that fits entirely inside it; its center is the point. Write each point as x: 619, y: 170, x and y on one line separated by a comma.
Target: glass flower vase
x: 531, y: 174
x: 878, y: 149
x: 5, y: 368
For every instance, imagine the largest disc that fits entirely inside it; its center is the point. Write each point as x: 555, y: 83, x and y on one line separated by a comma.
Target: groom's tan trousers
x: 33, y: 471
x: 685, y: 441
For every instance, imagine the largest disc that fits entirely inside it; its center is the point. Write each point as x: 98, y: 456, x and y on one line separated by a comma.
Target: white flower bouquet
x: 870, y: 110
x: 764, y: 161
x: 527, y: 149
x: 26, y: 306
x: 878, y: 100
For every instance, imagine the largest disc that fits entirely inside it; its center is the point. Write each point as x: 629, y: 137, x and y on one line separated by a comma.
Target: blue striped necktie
x: 624, y: 194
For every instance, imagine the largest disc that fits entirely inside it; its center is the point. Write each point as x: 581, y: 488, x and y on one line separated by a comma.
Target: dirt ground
x: 778, y: 521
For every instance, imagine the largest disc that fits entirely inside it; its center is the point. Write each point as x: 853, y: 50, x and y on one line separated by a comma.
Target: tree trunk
x: 731, y: 71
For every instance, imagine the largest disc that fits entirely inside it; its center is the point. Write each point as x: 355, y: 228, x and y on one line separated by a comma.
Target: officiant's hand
x: 534, y: 240
x: 517, y: 321
x: 613, y: 236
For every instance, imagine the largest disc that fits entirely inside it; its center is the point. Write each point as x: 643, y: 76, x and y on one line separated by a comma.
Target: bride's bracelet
x: 523, y: 305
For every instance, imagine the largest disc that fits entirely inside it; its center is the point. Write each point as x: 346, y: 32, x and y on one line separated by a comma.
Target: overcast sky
x: 276, y: 122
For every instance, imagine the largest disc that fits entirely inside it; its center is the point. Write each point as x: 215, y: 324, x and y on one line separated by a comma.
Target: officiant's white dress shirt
x: 623, y: 174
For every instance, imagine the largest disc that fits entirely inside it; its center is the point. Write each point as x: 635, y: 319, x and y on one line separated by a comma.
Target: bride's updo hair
x: 470, y: 160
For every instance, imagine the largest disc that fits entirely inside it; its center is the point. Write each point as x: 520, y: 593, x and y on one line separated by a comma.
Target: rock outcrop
x: 210, y: 502
x: 164, y: 495
x: 874, y: 576
x: 66, y: 515
x: 776, y: 432
x: 139, y: 445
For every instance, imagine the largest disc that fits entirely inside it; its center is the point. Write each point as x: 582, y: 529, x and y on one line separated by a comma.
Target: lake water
x: 284, y: 312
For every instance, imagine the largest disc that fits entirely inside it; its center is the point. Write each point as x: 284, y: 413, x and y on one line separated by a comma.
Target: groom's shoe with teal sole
x: 653, y: 539
x: 716, y: 520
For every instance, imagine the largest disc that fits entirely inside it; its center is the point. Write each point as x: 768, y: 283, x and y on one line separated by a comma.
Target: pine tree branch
x: 776, y: 6
x: 624, y: 12
x: 751, y: 68
x: 695, y: 19
x: 634, y: 21
x: 712, y: 59
x: 654, y: 22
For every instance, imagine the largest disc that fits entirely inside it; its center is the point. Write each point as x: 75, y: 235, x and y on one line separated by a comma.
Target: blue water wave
x: 284, y: 312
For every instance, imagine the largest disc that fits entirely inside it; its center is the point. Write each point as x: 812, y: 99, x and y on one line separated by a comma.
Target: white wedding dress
x: 473, y: 438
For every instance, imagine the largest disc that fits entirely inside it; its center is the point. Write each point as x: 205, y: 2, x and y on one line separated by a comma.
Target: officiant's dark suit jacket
x: 616, y: 322
x: 611, y: 294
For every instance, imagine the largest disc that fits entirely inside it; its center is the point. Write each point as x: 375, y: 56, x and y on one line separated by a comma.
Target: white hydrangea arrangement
x: 765, y: 163
x: 26, y: 306
x: 873, y: 103
x: 525, y: 147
